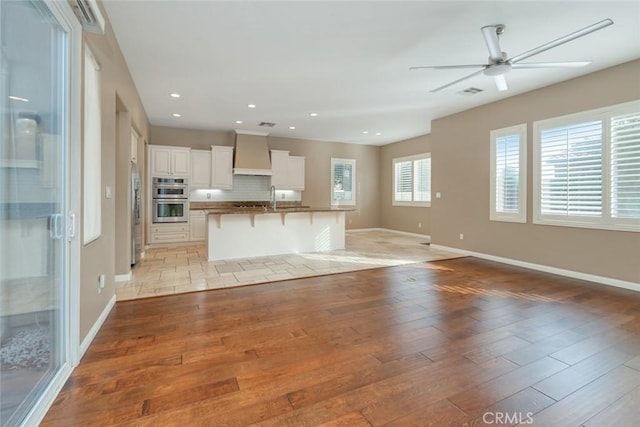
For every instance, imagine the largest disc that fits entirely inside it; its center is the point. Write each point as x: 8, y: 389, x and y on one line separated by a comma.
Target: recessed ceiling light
x: 378, y: 134
x: 174, y: 95
x: 17, y: 98
x: 251, y: 105
x: 365, y: 132
x: 176, y: 115
x: 238, y: 122
x: 313, y: 114
x: 292, y: 127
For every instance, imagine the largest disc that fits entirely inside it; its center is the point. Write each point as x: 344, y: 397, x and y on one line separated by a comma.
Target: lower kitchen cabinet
x: 198, y: 225
x: 169, y: 233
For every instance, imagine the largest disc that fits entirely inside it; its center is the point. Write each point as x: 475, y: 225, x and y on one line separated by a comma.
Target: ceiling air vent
x: 470, y: 91
x: 88, y: 13
x: 267, y: 124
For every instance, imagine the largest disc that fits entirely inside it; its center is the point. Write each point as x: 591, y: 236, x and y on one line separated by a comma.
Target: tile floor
x: 174, y: 270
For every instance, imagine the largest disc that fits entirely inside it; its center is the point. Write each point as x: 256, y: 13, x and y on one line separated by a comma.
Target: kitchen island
x: 249, y: 232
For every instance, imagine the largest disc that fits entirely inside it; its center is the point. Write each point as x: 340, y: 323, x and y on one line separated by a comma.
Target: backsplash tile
x: 245, y: 188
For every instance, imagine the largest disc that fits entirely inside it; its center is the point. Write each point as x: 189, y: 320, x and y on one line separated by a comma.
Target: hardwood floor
x: 447, y: 343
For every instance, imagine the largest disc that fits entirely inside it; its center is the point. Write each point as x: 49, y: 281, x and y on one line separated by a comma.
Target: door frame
x: 70, y: 303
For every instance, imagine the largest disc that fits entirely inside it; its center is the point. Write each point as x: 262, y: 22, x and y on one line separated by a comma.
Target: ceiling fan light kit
x: 500, y: 64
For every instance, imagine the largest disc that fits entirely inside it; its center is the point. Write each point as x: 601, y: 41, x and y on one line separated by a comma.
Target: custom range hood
x: 251, y: 154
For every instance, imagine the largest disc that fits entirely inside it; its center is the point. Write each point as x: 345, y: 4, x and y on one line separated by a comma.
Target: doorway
x: 36, y: 223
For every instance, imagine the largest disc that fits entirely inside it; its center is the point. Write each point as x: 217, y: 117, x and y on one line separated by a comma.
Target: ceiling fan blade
x: 447, y: 67
x: 501, y: 82
x: 562, y: 40
x: 490, y: 35
x: 456, y: 81
x: 574, y: 64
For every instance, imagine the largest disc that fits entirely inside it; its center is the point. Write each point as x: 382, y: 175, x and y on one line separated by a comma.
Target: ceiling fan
x: 500, y: 64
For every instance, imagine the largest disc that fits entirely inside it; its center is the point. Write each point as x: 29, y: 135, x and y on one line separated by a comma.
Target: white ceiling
x: 347, y: 61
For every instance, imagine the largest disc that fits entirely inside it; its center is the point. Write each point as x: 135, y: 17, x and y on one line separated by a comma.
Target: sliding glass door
x: 34, y: 226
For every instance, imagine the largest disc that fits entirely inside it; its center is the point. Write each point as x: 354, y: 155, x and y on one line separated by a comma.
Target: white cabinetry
x: 279, y: 168
x: 198, y: 225
x: 169, y: 161
x: 288, y: 171
x: 221, y: 167
x: 296, y: 173
x: 200, y: 170
x: 169, y: 233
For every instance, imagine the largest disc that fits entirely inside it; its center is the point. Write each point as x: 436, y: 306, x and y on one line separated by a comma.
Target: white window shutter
x: 571, y: 170
x: 625, y: 166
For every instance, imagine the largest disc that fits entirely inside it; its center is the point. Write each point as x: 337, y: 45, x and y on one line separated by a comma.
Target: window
x: 587, y: 169
x: 509, y: 174
x: 412, y: 180
x: 343, y: 182
x: 92, y: 140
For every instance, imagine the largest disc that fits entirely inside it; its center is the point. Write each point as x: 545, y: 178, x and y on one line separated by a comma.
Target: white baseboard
x: 96, y: 327
x: 547, y: 269
x: 406, y: 233
x: 123, y: 277
x: 359, y: 230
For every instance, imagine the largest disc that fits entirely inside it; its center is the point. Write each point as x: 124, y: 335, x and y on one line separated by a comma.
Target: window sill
x: 595, y: 226
x: 412, y: 204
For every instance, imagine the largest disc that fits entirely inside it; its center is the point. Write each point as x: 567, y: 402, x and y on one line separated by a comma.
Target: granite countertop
x: 260, y: 211
x: 226, y: 209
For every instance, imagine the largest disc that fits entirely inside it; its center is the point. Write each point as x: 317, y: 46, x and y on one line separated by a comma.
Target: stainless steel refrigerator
x: 136, y: 215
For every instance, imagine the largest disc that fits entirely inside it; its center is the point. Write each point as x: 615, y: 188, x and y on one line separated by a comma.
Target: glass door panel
x: 33, y: 135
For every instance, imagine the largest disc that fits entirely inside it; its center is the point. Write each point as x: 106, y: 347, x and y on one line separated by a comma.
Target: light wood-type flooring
x: 446, y: 343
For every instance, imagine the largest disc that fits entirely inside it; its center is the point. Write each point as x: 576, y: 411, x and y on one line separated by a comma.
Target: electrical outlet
x: 208, y: 195
x: 100, y: 282
x: 419, y: 225
x: 438, y: 195
x: 283, y: 196
x: 461, y: 236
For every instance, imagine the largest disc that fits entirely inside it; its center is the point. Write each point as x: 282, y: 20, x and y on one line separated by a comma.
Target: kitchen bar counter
x: 241, y: 232
x: 214, y: 208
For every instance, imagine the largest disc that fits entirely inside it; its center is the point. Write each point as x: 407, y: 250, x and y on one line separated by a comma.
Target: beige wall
x: 193, y: 138
x: 460, y: 159
x: 318, y: 166
x: 98, y: 257
x: 318, y: 175
x: 402, y: 218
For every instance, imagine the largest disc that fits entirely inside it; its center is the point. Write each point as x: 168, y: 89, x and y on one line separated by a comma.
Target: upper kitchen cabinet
x: 169, y: 161
x: 288, y: 171
x: 200, y: 169
x: 221, y: 167
x: 296, y: 172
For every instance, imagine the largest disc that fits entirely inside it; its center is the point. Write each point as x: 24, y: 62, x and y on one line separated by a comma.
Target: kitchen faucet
x: 272, y: 197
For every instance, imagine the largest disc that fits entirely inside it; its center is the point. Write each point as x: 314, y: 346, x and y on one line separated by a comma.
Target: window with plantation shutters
x: 343, y: 182
x: 625, y: 166
x: 412, y: 180
x: 508, y: 174
x: 587, y: 169
x: 571, y: 170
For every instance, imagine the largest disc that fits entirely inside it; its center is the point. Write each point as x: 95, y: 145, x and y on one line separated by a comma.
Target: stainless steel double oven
x: 170, y: 200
